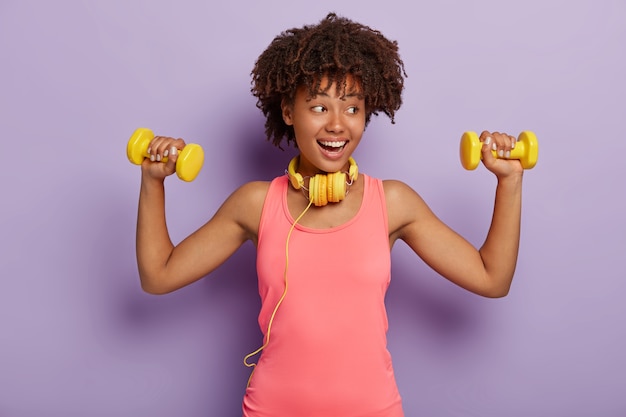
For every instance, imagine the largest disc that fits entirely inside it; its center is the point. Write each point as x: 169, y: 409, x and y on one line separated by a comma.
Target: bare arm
x: 165, y: 267
x: 487, y: 271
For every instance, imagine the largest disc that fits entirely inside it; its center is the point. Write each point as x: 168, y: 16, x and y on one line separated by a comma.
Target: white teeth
x: 333, y: 144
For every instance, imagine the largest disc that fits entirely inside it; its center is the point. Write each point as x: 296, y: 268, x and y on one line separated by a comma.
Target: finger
x: 486, y: 139
x: 171, y: 160
x: 503, y: 144
x: 510, y: 141
x: 484, y: 135
x: 499, y: 144
x: 154, y: 148
x: 160, y: 147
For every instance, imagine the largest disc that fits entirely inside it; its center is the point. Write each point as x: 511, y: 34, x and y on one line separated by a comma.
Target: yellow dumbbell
x: 189, y: 161
x: 526, y: 150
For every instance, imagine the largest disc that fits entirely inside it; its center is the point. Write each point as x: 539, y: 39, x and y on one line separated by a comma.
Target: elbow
x: 154, y: 281
x: 496, y: 291
x: 495, y: 285
x: 497, y: 294
x: 154, y: 288
x: 160, y: 283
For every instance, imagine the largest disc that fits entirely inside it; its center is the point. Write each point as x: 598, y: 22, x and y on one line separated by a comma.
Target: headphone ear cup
x: 336, y: 187
x: 295, y: 178
x: 297, y: 181
x: 353, y: 171
x: 321, y: 197
x: 313, y: 189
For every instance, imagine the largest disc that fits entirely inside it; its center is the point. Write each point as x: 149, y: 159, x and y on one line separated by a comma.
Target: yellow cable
x: 280, y: 300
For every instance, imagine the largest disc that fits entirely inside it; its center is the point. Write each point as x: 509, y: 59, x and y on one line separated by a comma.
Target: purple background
x: 78, y: 337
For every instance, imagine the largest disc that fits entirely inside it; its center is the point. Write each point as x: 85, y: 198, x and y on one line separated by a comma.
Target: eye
x: 318, y: 109
x: 353, y: 110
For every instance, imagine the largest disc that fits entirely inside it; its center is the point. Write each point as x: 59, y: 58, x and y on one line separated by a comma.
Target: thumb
x: 486, y: 150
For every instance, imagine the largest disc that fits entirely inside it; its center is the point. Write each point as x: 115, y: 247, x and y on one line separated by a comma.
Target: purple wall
x: 78, y: 337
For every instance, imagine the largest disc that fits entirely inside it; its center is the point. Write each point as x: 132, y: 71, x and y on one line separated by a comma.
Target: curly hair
x: 335, y: 48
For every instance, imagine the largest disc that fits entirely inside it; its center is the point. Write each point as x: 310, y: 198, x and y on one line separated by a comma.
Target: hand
x: 162, y: 149
x: 502, y: 143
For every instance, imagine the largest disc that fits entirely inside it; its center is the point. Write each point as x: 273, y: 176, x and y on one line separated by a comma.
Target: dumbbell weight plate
x: 189, y: 162
x: 138, y: 145
x: 470, y: 150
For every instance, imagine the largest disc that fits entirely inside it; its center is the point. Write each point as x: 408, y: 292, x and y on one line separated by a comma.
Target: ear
x: 287, y: 110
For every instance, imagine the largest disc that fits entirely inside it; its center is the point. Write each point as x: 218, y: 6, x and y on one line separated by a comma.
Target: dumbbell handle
x: 526, y: 150
x: 188, y: 164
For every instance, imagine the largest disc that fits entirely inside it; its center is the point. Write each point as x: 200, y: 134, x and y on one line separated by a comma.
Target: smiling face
x: 328, y: 126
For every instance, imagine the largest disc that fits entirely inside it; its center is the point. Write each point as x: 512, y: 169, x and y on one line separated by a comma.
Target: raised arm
x: 487, y: 271
x: 165, y: 267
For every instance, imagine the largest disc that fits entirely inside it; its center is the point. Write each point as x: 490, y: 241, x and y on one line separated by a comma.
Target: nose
x: 335, y: 122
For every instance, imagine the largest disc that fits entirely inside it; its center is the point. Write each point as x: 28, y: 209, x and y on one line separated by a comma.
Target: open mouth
x: 332, y: 146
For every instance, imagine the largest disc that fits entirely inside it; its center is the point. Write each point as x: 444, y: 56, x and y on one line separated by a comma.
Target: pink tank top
x: 327, y: 354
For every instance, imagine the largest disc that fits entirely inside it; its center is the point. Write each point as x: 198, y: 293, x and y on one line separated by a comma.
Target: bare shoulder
x: 244, y: 206
x: 251, y: 193
x: 396, y: 189
x: 404, y: 207
x: 398, y: 195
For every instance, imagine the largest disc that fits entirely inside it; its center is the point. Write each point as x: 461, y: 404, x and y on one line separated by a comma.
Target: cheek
x: 307, y: 124
x: 358, y: 124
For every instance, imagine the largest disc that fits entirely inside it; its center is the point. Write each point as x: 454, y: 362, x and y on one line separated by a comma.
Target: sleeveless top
x: 327, y: 354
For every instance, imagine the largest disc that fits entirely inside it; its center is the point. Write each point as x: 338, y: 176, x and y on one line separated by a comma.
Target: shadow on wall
x: 261, y: 159
x: 236, y: 278
x: 230, y: 293
x: 214, y: 320
x: 421, y: 301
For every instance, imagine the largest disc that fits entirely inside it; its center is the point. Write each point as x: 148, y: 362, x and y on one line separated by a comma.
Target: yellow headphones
x: 324, y: 188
